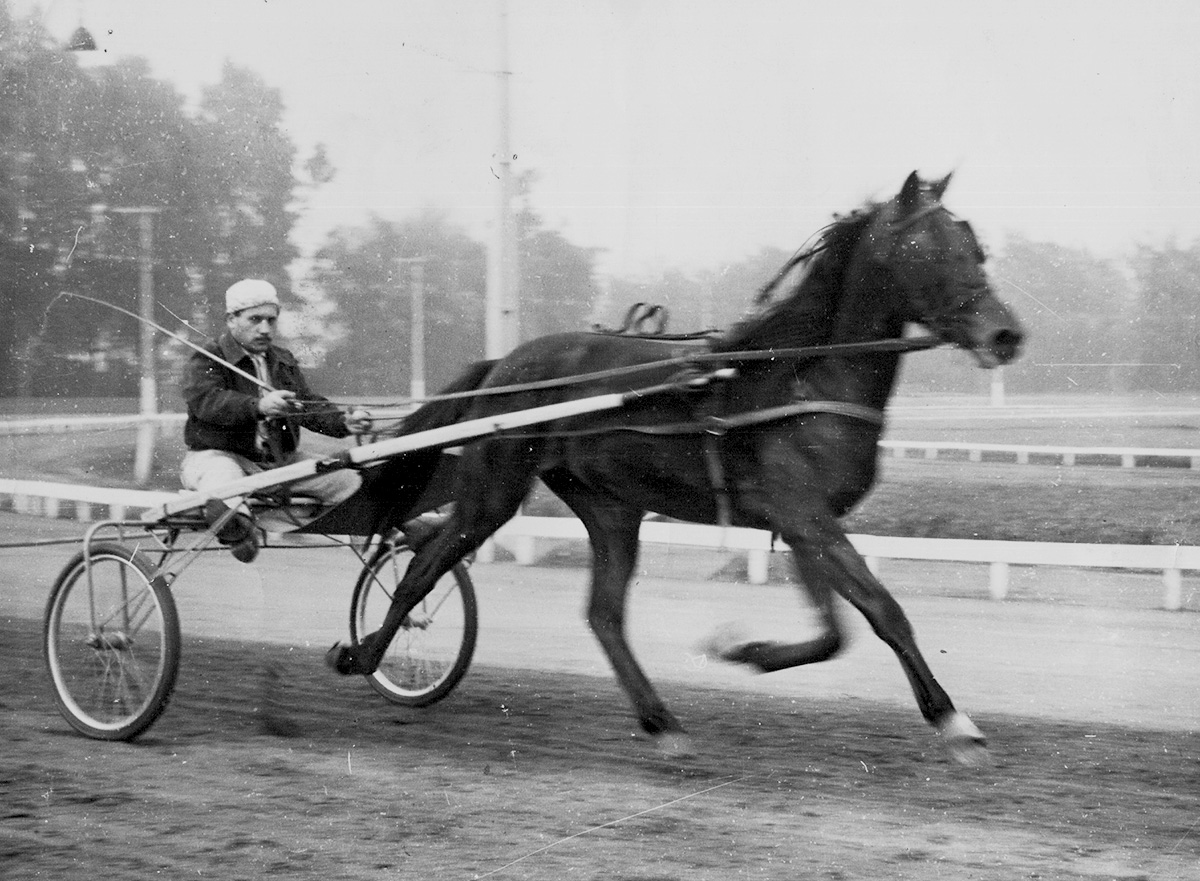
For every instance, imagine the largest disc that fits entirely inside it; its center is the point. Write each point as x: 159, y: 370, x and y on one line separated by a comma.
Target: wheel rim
x: 107, y: 645
x: 426, y: 649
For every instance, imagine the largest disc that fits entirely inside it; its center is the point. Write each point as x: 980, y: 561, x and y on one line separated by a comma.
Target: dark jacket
x: 223, y: 406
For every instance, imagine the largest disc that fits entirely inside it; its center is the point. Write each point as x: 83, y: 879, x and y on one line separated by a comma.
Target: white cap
x: 248, y: 293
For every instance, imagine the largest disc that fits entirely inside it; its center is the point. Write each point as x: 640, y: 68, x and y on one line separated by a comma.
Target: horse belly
x: 667, y: 476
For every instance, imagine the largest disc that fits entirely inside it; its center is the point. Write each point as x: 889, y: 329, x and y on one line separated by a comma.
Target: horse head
x: 935, y: 265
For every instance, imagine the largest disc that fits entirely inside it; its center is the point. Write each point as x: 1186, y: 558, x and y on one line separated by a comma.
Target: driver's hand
x: 358, y: 421
x: 280, y: 402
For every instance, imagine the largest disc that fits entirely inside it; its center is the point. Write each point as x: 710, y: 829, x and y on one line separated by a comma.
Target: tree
x: 78, y: 148
x: 1077, y: 310
x: 1167, y: 327
x: 367, y: 276
x: 709, y: 300
x: 71, y: 141
x: 557, y: 291
x: 240, y: 186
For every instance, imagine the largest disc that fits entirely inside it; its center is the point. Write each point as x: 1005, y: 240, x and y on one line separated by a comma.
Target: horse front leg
x: 836, y: 559
x: 827, y: 562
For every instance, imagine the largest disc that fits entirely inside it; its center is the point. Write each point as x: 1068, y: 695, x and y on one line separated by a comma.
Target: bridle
x: 948, y: 313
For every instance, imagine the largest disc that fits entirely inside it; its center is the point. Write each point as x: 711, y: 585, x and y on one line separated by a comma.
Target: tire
x: 111, y: 643
x: 430, y: 653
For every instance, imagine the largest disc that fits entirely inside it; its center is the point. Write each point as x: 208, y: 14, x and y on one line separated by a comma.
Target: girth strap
x: 714, y: 427
x: 716, y: 477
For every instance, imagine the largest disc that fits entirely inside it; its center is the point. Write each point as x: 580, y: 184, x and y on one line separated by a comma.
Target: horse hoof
x: 967, y: 744
x: 341, y: 660
x: 674, y: 745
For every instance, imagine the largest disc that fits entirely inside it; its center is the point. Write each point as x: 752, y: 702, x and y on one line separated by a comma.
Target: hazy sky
x: 694, y: 132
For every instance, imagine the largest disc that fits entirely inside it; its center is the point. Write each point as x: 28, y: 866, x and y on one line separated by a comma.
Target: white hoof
x: 967, y: 744
x: 674, y: 745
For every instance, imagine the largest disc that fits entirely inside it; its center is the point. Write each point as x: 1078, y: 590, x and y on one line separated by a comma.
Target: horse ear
x: 938, y: 188
x: 910, y: 194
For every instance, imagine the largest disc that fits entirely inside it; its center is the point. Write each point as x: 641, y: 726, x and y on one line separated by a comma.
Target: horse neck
x: 863, y: 317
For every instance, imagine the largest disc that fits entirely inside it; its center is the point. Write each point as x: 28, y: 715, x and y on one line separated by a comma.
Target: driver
x: 237, y: 427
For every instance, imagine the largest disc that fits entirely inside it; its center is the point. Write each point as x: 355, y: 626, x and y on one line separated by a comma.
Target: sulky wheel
x: 432, y: 650
x: 111, y: 642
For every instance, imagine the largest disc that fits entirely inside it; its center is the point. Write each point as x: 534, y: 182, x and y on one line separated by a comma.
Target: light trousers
x: 208, y: 470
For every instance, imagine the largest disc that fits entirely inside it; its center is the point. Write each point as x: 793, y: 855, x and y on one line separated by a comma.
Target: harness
x: 715, y: 427
x: 712, y: 425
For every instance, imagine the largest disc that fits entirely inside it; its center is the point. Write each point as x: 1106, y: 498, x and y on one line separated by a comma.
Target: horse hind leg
x: 474, y: 519
x: 613, y: 532
x: 730, y: 643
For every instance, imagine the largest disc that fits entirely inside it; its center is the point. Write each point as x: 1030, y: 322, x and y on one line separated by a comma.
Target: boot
x: 237, y: 533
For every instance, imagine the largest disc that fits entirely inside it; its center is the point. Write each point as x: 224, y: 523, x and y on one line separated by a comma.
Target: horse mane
x: 805, y: 316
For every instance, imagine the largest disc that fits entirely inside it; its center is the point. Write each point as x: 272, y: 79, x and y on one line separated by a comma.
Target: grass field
x: 997, y: 500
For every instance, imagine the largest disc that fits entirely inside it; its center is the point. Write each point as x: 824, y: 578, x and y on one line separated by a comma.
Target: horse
x: 786, y: 442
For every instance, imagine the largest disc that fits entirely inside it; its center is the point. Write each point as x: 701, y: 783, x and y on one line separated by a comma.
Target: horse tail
x: 437, y: 414
x: 423, y: 479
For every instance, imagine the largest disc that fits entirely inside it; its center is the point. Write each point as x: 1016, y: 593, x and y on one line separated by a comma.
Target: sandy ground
x: 533, y: 769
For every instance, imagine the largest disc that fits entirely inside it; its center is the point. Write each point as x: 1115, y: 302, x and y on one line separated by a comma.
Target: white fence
x: 1127, y: 457
x: 167, y: 423
x: 88, y: 502
x: 521, y: 534
x: 36, y: 497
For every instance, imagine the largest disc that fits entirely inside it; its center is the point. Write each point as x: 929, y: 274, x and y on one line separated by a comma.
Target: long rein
x: 715, y: 425
x: 798, y: 353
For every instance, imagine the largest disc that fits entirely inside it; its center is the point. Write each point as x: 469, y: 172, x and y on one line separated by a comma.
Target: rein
x: 719, y: 425
x: 799, y: 353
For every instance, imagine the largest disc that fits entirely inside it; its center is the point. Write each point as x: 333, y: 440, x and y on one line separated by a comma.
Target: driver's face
x: 254, y: 328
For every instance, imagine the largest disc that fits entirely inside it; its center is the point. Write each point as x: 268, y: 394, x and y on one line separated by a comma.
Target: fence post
x: 998, y: 580
x: 524, y: 550
x: 758, y: 564
x: 1173, y: 592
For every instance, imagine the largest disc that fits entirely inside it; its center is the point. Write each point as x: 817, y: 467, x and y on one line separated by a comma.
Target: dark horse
x: 907, y: 259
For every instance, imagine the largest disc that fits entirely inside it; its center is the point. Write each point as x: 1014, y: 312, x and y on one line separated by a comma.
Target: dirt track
x: 538, y: 773
x: 524, y: 774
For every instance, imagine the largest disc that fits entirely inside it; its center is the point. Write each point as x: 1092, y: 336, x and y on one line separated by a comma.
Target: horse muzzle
x: 996, y: 346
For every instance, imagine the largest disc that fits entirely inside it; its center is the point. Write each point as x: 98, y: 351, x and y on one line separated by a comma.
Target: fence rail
x: 1126, y: 457
x: 89, y: 503
x: 520, y: 534
x: 63, y: 424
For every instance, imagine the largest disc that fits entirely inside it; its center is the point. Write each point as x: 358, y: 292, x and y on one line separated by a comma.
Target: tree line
x: 82, y: 151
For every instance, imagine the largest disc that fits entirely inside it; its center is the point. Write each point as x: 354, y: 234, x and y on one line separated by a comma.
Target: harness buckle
x: 716, y: 426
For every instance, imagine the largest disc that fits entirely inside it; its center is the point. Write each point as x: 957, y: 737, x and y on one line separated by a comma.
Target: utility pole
x: 416, y: 349
x: 143, y: 460
x: 503, y: 312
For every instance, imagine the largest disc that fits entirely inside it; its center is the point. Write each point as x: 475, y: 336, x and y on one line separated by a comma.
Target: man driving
x: 236, y: 426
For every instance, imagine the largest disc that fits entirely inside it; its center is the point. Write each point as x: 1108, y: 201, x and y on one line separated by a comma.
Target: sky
x: 686, y: 135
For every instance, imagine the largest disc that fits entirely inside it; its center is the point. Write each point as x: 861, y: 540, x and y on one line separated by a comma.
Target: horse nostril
x: 1006, y: 344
